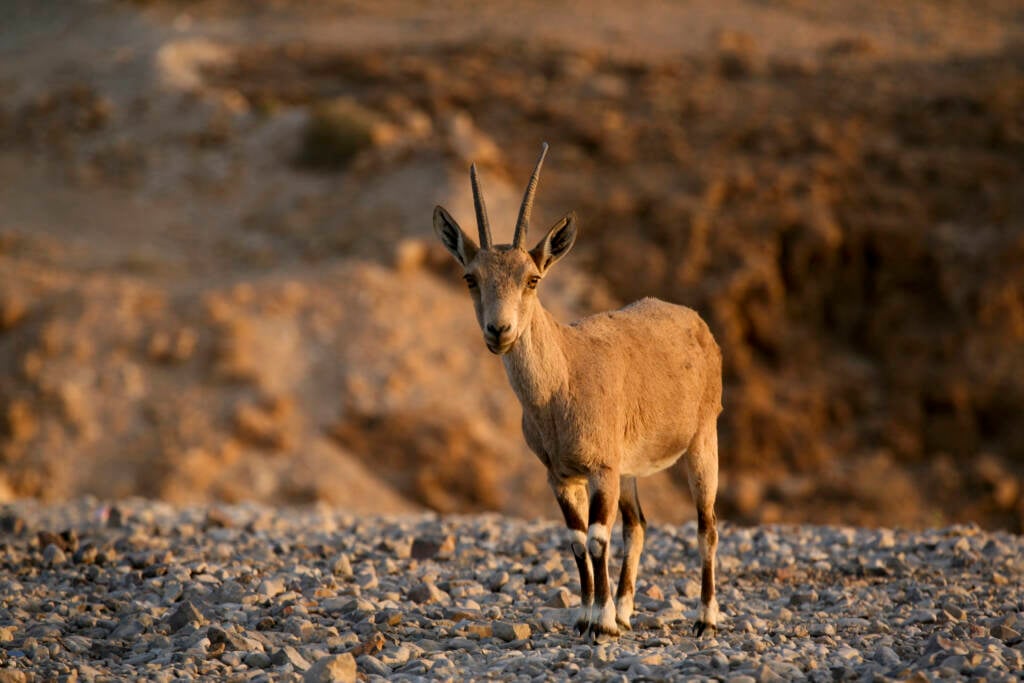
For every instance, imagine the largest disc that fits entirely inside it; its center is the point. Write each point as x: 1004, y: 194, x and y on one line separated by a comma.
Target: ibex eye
x: 470, y: 280
x: 532, y: 282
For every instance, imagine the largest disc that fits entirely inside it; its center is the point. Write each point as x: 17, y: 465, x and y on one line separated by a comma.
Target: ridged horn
x: 481, y: 210
x: 523, y: 224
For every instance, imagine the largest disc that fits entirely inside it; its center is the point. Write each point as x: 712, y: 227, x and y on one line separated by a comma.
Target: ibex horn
x: 523, y: 224
x: 481, y: 210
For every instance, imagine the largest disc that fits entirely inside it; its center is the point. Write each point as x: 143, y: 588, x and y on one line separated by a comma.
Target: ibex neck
x: 537, y: 365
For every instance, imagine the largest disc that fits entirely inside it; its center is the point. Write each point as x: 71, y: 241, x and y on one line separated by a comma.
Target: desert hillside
x: 218, y: 280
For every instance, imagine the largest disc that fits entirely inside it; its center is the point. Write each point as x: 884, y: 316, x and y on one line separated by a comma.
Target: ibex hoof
x: 597, y: 633
x: 701, y: 627
x: 623, y: 625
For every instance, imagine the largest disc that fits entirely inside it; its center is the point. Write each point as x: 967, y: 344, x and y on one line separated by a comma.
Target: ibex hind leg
x: 701, y: 462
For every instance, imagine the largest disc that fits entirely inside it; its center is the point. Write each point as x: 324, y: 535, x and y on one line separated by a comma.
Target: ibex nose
x: 496, y: 330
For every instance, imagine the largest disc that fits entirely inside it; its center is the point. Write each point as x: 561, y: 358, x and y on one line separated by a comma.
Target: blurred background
x: 218, y: 279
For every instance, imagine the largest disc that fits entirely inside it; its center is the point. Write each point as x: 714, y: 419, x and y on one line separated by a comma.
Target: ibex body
x: 607, y: 399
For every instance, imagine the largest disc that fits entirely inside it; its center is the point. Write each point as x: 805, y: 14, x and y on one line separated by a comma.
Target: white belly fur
x: 635, y: 465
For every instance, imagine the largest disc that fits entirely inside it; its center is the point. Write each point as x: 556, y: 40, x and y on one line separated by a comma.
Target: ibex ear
x: 556, y: 244
x: 457, y: 242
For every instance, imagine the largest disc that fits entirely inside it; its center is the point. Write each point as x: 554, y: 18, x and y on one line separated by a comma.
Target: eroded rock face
x: 187, y: 310
x: 244, y: 409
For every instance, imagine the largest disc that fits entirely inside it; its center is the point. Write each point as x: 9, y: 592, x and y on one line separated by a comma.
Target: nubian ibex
x: 607, y: 399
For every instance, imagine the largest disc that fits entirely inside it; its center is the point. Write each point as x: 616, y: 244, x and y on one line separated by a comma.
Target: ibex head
x: 503, y: 278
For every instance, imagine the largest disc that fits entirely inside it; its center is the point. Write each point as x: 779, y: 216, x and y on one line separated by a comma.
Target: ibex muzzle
x: 608, y: 399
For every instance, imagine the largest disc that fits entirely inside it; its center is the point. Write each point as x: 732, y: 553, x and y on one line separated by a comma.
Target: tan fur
x: 626, y: 390
x: 617, y: 394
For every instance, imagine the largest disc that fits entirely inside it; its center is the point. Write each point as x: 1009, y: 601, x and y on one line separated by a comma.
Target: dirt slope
x: 217, y: 278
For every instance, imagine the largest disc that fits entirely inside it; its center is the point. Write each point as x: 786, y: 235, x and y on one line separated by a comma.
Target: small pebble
x: 510, y: 631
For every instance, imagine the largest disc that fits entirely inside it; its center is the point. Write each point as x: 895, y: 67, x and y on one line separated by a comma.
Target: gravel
x: 251, y: 593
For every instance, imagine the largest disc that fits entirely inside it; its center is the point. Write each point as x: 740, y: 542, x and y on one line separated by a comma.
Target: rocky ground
x: 148, y: 590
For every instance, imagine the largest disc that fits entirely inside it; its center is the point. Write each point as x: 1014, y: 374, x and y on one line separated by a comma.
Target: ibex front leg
x: 604, y: 500
x: 633, y: 529
x: 572, y: 499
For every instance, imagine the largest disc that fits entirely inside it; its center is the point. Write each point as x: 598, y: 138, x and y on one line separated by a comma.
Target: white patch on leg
x: 578, y: 543
x: 624, y: 608
x: 605, y: 617
x: 709, y: 613
x: 597, y: 539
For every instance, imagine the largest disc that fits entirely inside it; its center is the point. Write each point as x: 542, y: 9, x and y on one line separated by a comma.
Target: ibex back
x: 607, y: 399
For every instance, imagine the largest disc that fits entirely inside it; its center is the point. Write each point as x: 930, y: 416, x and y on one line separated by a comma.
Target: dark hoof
x: 582, y: 627
x: 623, y: 626
x: 600, y: 632
x: 702, y: 627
